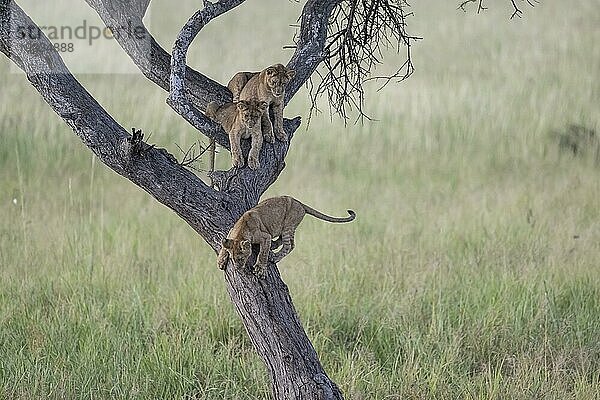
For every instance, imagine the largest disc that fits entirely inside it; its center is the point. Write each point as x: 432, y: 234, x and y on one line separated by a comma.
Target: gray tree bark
x: 264, y: 305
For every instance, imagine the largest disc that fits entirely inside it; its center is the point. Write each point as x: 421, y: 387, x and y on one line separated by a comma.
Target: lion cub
x: 241, y: 120
x: 271, y: 218
x: 268, y: 86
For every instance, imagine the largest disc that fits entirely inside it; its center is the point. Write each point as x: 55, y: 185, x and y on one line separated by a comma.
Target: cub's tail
x: 324, y: 217
x: 211, y: 109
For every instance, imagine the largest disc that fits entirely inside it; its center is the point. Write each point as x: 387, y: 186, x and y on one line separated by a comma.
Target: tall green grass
x: 471, y: 271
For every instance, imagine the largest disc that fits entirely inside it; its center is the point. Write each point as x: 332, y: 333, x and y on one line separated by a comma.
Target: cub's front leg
x: 257, y: 141
x: 237, y: 158
x: 222, y: 259
x: 278, y: 121
x: 263, y: 255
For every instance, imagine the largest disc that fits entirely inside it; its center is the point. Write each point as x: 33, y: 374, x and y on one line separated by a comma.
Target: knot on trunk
x: 134, y: 148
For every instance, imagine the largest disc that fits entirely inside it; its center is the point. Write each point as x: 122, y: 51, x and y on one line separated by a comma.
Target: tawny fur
x: 277, y: 217
x: 268, y: 86
x: 241, y: 120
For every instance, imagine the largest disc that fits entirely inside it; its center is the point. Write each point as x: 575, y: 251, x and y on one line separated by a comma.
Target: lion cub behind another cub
x: 253, y: 93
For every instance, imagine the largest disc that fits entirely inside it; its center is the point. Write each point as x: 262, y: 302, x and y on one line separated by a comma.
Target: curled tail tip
x: 352, y: 214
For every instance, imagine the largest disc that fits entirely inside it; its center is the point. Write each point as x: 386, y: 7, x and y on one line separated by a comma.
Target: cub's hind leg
x: 287, y: 237
x: 263, y: 255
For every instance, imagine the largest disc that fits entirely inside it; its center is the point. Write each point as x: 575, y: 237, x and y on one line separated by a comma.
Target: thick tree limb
x: 152, y: 60
x: 292, y: 362
x: 154, y: 170
x: 310, y: 46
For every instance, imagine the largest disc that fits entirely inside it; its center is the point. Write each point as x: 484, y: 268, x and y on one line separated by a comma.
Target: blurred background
x: 470, y: 272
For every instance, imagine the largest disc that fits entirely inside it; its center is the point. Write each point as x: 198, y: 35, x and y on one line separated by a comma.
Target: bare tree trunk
x: 272, y: 323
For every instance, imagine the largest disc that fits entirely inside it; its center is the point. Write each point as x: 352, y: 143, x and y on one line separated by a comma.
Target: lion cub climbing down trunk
x: 270, y: 219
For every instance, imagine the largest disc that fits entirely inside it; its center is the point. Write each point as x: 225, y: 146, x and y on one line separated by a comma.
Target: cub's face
x: 239, y: 251
x: 277, y: 77
x: 251, y: 111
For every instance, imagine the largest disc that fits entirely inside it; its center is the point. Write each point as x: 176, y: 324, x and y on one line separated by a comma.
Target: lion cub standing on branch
x: 241, y: 120
x: 271, y: 218
x: 268, y: 86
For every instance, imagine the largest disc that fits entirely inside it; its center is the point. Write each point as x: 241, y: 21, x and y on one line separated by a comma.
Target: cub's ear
x: 227, y: 243
x: 263, y: 105
x: 242, y: 105
x: 290, y: 73
x: 245, y: 244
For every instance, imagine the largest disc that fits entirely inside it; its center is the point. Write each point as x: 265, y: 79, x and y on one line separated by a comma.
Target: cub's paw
x: 260, y: 269
x: 267, y: 129
x: 237, y: 161
x: 253, y: 163
x: 269, y: 137
x: 281, y: 135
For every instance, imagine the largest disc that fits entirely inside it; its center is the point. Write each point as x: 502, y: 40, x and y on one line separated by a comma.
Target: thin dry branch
x: 480, y: 6
x: 517, y: 12
x: 192, y: 155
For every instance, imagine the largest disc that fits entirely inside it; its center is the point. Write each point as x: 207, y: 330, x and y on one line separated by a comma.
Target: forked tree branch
x: 244, y: 184
x: 177, y: 91
x: 152, y: 60
x: 264, y: 305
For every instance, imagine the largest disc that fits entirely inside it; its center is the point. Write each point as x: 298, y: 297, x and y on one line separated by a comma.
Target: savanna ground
x: 471, y: 271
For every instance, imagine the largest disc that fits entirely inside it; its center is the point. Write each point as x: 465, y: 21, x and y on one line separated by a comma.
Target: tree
x: 344, y: 37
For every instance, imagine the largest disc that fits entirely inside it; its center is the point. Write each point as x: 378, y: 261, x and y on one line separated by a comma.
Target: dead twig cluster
x: 359, y: 32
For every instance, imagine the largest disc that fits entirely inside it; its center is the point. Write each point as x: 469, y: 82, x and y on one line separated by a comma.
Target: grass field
x: 471, y: 272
